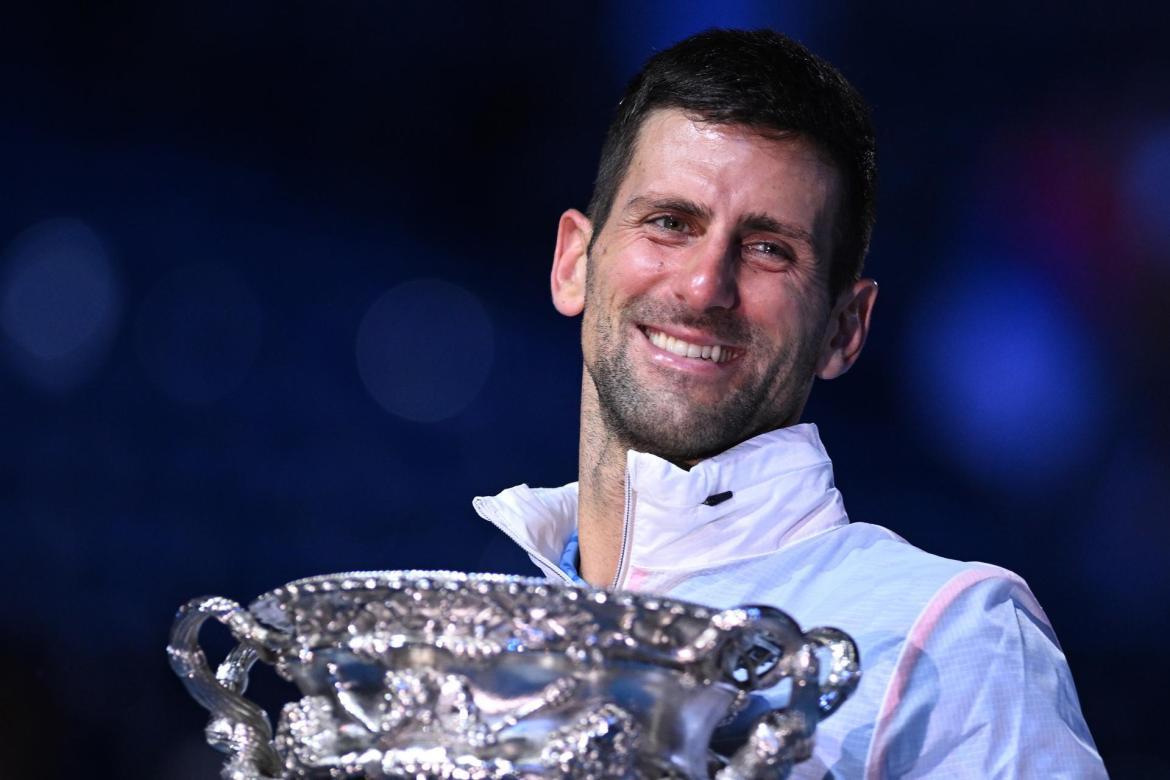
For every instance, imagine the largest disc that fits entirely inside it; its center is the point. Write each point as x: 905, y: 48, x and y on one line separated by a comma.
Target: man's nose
x: 707, y: 278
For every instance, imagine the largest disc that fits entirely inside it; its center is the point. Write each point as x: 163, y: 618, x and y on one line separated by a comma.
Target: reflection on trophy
x: 492, y: 677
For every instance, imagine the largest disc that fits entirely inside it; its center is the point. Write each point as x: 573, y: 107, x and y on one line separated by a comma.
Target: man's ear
x: 848, y: 328
x: 569, y: 262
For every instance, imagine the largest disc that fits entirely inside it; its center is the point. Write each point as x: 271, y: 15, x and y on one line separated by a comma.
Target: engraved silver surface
x: 491, y: 677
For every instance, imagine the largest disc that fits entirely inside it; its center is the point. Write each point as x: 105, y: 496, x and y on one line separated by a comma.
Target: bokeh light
x: 198, y: 333
x: 1003, y: 378
x: 1047, y: 192
x: 424, y: 349
x: 59, y: 303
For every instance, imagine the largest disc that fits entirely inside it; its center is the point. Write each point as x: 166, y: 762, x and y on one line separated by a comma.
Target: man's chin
x: 681, y: 438
x: 672, y: 419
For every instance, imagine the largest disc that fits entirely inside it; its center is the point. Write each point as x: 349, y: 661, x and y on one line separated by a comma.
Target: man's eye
x: 667, y: 222
x: 770, y: 250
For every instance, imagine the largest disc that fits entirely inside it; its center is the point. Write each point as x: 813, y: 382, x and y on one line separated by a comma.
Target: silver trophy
x: 491, y: 677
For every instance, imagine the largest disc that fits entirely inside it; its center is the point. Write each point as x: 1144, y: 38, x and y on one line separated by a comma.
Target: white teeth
x: 714, y: 353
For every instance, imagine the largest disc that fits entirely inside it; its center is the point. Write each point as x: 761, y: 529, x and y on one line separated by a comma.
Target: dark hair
x: 764, y: 80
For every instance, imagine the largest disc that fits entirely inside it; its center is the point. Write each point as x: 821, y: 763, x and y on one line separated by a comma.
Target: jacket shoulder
x: 855, y: 576
x: 879, y: 569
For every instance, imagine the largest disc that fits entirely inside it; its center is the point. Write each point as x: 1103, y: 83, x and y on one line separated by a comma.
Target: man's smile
x: 696, y: 347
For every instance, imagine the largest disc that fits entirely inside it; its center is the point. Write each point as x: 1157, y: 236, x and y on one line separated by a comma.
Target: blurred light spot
x: 1049, y: 192
x: 1045, y: 188
x: 644, y: 28
x: 1147, y: 188
x: 424, y: 349
x: 198, y: 333
x: 1003, y: 379
x: 59, y: 303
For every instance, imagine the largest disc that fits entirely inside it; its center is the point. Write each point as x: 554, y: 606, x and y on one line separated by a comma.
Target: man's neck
x: 601, y: 477
x: 601, y: 484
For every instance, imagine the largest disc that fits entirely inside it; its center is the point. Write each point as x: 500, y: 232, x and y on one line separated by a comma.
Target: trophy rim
x: 268, y: 606
x: 741, y: 647
x: 282, y: 609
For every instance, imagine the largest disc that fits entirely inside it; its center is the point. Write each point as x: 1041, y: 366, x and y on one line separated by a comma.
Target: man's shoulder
x: 871, y: 554
x: 860, y: 557
x: 877, y: 558
x: 858, y: 575
x: 862, y: 566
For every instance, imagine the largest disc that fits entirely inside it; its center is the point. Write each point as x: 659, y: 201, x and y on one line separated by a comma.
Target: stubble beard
x: 667, y: 421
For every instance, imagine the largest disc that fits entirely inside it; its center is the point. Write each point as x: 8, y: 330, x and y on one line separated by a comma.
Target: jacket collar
x: 781, y: 485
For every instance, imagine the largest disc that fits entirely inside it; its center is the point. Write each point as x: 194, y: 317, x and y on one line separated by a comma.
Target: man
x: 718, y: 272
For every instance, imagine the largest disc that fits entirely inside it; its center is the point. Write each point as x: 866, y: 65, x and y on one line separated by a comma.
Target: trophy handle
x: 238, y: 726
x: 783, y: 737
x: 844, y: 667
x: 750, y: 647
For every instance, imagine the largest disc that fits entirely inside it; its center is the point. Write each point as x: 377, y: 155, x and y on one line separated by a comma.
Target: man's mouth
x: 716, y: 353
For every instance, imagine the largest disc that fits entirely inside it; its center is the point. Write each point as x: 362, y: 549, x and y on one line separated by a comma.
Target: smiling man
x: 718, y: 273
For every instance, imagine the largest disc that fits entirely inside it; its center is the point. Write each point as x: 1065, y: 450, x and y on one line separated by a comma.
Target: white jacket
x: 962, y: 675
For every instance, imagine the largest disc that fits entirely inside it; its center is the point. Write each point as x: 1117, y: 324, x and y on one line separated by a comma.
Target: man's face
x: 706, y: 303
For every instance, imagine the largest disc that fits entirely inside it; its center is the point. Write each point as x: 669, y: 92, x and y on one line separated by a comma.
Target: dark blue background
x: 273, y: 302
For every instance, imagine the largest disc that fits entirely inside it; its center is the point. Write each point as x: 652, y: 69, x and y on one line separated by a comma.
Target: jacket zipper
x: 627, y: 532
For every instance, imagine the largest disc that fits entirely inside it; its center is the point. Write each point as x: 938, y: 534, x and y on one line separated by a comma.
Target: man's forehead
x: 677, y: 122
x: 680, y: 156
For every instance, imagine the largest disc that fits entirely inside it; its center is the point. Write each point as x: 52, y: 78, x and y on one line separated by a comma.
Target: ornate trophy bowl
x: 492, y: 677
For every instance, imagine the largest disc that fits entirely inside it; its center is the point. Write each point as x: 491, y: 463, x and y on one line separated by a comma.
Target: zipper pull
x: 716, y: 499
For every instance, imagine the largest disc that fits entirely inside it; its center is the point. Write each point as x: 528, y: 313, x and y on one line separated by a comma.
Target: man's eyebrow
x: 755, y: 221
x: 767, y: 224
x: 666, y: 203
